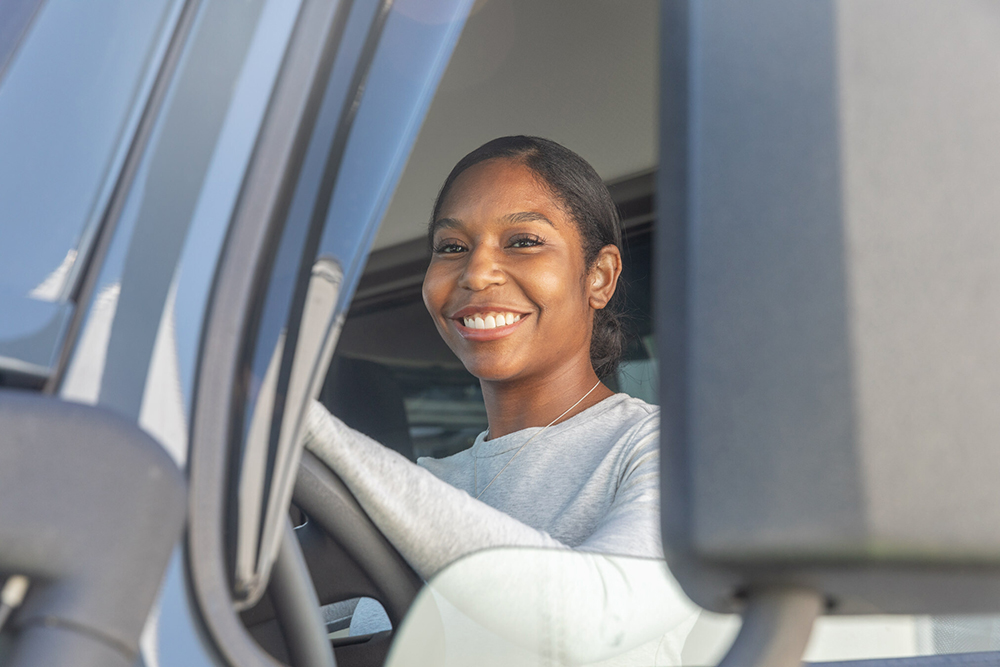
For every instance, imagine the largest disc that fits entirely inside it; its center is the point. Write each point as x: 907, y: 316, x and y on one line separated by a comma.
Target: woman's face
x: 507, y: 286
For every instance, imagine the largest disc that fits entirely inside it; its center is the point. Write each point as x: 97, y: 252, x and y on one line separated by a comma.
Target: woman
x: 526, y: 256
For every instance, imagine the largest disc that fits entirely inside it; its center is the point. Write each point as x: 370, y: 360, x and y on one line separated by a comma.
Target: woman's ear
x: 603, y: 278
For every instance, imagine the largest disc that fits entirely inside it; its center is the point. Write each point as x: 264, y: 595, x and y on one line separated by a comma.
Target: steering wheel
x: 346, y: 553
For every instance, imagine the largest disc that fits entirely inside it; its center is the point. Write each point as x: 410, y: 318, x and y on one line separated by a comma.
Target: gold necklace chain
x: 475, y: 461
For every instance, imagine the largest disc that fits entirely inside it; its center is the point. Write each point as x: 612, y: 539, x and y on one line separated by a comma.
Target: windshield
x: 70, y: 95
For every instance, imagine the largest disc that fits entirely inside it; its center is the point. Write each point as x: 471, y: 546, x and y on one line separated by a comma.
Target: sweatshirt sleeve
x: 430, y: 522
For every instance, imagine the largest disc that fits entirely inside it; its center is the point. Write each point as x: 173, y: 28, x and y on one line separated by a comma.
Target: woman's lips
x: 487, y: 325
x: 489, y: 319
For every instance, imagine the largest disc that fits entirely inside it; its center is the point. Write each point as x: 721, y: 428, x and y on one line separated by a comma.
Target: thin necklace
x: 568, y: 410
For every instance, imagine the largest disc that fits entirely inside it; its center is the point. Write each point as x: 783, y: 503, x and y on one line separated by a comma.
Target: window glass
x: 582, y: 608
x: 73, y: 79
x: 842, y: 638
x: 963, y: 634
x: 386, y: 66
x: 14, y: 24
x: 636, y: 374
x: 536, y: 607
x: 65, y: 102
x: 417, y: 410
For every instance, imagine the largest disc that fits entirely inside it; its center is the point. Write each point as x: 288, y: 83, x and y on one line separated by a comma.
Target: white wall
x: 580, y: 72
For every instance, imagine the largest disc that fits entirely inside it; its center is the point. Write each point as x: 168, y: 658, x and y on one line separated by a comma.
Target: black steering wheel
x: 346, y: 553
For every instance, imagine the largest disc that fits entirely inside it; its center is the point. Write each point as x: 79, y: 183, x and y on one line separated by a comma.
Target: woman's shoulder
x: 622, y: 412
x: 638, y: 406
x: 635, y: 446
x: 616, y: 426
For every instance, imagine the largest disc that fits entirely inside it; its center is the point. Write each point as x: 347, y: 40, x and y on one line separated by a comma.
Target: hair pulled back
x: 584, y: 196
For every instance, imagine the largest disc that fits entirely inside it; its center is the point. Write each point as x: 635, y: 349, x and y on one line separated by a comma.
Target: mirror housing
x: 91, y: 508
x: 829, y: 302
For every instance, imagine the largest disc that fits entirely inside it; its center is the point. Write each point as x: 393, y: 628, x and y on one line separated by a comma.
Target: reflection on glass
x: 68, y: 101
x: 539, y: 607
x: 962, y: 634
x: 73, y: 84
x: 54, y: 284
x: 543, y: 607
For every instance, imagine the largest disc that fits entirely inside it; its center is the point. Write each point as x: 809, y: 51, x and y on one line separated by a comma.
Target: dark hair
x: 582, y: 192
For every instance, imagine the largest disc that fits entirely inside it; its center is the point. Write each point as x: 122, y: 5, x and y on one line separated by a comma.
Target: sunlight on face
x: 507, y: 285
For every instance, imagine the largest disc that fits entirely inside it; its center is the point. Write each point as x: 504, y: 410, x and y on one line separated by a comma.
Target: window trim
x: 240, y: 281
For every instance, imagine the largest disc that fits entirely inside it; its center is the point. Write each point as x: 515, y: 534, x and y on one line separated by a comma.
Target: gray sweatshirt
x: 590, y: 482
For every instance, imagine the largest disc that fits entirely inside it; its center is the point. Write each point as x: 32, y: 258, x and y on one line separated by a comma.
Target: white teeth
x: 490, y: 321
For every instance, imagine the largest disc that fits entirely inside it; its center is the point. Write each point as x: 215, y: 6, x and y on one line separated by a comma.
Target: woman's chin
x: 488, y: 375
x: 487, y: 371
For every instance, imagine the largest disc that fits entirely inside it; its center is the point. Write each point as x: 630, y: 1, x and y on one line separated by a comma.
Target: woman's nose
x: 482, y: 269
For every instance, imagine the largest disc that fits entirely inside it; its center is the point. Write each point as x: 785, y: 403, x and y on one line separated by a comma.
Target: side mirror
x: 829, y: 307
x: 90, y: 511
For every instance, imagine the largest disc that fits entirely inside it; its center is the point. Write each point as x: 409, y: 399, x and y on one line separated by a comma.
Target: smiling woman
x: 522, y: 287
x: 506, y: 243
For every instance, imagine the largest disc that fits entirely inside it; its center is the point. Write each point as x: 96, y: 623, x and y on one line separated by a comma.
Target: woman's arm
x: 429, y: 521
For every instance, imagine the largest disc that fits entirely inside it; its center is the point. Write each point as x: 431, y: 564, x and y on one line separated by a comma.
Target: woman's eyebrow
x: 526, y: 216
x: 510, y: 219
x: 444, y: 223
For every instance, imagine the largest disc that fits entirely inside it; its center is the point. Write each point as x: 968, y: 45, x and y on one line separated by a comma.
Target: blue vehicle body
x: 152, y: 122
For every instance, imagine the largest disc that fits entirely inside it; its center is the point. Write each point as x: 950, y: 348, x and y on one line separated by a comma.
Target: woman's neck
x: 513, y: 405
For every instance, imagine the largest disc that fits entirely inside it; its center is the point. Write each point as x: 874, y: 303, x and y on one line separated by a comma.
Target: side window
x: 395, y: 380
x: 74, y: 79
x: 636, y: 373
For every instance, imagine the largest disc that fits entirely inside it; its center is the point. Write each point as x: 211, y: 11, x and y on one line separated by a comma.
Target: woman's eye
x: 525, y: 242
x: 448, y: 247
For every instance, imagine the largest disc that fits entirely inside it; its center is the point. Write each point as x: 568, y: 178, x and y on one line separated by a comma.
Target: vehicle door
x: 224, y: 225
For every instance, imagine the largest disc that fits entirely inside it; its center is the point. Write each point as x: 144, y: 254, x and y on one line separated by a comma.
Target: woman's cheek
x: 553, y: 286
x: 433, y: 290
